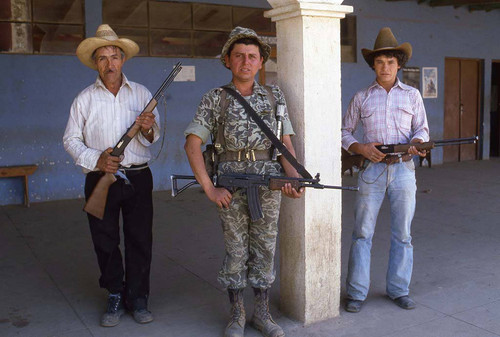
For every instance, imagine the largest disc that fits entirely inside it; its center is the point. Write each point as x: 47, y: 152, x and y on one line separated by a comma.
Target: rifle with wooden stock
x: 427, y: 146
x: 350, y: 160
x: 96, y: 203
x: 251, y: 183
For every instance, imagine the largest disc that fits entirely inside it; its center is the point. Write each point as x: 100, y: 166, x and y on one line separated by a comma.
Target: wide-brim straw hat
x: 241, y: 33
x: 386, y: 42
x: 104, y: 36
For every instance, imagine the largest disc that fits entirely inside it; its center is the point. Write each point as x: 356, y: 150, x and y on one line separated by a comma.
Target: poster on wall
x: 429, y: 82
x: 411, y: 77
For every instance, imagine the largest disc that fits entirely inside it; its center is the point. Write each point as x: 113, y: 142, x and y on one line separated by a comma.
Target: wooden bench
x: 19, y: 171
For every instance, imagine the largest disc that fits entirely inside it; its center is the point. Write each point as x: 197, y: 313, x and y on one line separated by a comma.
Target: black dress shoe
x: 114, y: 311
x: 353, y: 305
x: 405, y: 302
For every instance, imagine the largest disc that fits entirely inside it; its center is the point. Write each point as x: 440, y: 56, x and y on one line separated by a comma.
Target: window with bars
x: 348, y: 39
x: 41, y: 26
x: 190, y: 29
x: 181, y: 29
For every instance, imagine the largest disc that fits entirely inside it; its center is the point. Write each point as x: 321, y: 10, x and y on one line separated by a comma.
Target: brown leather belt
x: 395, y: 158
x: 245, y: 155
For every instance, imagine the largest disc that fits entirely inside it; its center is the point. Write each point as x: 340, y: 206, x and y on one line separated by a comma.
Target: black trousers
x: 135, y: 201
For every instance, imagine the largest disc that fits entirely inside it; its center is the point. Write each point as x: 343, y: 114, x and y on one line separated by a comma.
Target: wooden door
x: 461, y: 107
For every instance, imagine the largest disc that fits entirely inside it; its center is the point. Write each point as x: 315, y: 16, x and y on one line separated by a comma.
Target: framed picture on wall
x: 411, y: 77
x: 429, y: 82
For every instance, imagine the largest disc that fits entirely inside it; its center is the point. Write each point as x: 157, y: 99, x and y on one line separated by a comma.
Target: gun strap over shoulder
x: 269, y: 133
x: 224, y: 104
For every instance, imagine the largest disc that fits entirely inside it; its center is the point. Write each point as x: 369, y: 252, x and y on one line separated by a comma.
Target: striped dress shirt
x: 394, y: 117
x: 98, y: 120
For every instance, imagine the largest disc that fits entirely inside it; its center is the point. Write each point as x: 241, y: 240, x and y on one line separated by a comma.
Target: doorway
x: 462, y: 106
x: 495, y: 110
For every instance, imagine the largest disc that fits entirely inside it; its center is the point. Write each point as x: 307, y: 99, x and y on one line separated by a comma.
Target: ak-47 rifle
x: 251, y: 183
x: 96, y: 203
x: 403, y: 148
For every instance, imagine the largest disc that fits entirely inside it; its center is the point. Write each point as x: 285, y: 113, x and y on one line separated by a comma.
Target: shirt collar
x: 99, y: 84
x: 257, y: 88
x: 398, y: 84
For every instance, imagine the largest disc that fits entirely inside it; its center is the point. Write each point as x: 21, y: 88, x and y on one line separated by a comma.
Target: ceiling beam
x: 484, y: 7
x: 435, y: 3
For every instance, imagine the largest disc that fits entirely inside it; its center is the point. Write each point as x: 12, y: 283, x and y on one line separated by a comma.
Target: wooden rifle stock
x: 96, y: 203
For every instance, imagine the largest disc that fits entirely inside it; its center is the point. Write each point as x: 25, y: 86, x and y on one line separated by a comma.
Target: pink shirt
x: 394, y: 117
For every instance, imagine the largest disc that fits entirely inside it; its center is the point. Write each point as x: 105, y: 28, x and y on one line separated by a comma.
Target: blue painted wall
x: 37, y: 90
x: 434, y: 33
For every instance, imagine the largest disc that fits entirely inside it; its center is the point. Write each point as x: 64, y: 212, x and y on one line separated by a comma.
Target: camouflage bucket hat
x: 241, y: 33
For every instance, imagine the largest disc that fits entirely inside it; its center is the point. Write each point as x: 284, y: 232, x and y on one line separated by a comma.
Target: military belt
x: 245, y: 155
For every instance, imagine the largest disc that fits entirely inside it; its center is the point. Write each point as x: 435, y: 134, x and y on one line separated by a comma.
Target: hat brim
x: 404, y: 47
x: 266, y: 49
x: 88, y: 46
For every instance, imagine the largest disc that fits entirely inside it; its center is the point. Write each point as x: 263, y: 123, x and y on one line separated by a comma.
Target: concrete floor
x: 48, y: 271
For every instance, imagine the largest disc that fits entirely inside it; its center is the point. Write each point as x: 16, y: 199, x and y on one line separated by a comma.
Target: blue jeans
x: 398, y: 180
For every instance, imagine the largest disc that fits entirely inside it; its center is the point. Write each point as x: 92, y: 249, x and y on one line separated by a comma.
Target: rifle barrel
x: 456, y: 141
x: 168, y: 80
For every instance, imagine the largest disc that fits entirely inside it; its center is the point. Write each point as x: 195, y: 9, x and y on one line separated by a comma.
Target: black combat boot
x: 262, y: 319
x: 236, y: 325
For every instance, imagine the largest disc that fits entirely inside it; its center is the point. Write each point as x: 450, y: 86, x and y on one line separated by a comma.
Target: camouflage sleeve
x: 287, y: 124
x: 203, y: 123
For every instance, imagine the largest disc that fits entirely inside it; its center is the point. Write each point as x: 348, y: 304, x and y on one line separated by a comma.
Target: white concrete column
x: 308, y: 34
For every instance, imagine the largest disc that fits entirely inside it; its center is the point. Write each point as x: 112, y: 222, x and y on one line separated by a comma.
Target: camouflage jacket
x: 240, y: 131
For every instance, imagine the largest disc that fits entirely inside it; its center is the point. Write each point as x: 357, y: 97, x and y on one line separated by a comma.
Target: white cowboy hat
x: 105, y: 36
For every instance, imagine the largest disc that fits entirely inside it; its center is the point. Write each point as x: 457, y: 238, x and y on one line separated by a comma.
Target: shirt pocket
x: 404, y: 117
x: 368, y: 118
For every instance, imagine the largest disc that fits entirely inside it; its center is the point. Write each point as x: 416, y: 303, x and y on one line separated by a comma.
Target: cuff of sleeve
x: 144, y: 141
x: 346, y: 144
x: 88, y: 159
x: 197, y: 130
x: 423, y: 136
x: 287, y: 128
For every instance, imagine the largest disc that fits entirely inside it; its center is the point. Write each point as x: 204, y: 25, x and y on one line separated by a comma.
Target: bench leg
x: 26, y: 192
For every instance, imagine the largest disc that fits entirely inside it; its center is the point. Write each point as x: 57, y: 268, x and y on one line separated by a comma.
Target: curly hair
x: 398, y: 54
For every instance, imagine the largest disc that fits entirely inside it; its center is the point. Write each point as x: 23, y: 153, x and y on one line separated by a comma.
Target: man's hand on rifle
x: 108, y: 163
x: 146, y: 120
x: 291, y: 192
x: 413, y: 150
x: 368, y: 150
x: 219, y: 195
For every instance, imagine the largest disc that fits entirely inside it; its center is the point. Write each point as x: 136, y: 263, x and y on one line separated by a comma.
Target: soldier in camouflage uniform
x: 250, y: 246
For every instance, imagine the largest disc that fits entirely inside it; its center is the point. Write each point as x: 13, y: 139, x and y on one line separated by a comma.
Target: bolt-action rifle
x: 350, y: 160
x: 427, y: 146
x: 251, y: 183
x: 96, y: 203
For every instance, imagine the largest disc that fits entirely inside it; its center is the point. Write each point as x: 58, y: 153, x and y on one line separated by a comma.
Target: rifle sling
x: 276, y: 142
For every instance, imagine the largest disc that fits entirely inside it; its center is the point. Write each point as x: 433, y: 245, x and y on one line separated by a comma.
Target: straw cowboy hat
x: 242, y: 33
x: 387, y: 42
x: 105, y: 36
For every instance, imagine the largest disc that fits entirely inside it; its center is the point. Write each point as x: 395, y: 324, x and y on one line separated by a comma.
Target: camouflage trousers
x: 250, y: 246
